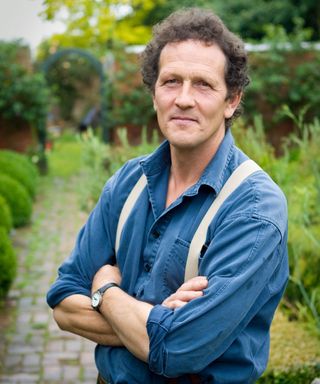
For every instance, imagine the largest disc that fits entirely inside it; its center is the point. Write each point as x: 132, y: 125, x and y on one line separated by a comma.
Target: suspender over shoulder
x: 243, y: 171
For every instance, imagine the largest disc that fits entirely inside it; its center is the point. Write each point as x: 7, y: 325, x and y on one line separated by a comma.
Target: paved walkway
x: 32, y: 348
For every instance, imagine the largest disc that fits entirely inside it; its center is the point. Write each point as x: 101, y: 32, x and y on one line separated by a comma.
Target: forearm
x: 75, y: 314
x: 128, y: 317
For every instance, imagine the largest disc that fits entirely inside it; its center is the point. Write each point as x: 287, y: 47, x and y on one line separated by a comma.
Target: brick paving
x: 32, y: 348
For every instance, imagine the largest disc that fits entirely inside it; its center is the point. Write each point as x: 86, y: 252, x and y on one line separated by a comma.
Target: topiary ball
x: 20, y: 168
x: 8, y: 262
x: 17, y: 198
x: 5, y: 215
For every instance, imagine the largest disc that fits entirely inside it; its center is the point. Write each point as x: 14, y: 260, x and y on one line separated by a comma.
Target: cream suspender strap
x: 240, y: 174
x: 127, y: 207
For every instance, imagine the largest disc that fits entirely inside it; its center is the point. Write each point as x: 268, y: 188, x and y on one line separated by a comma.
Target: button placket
x: 147, y: 267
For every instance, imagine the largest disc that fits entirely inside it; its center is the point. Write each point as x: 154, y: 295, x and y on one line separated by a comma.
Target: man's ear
x: 154, y: 104
x: 232, y: 105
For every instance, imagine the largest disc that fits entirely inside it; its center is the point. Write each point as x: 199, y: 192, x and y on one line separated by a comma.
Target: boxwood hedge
x: 8, y: 262
x: 5, y: 215
x: 17, y: 198
x: 299, y: 375
x: 20, y: 168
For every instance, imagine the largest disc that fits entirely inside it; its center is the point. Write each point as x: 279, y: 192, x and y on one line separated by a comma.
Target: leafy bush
x: 102, y: 161
x: 17, y: 198
x: 131, y: 102
x: 23, y: 160
x: 8, y: 263
x: 298, y: 174
x: 5, y: 215
x: 285, y: 74
x: 15, y: 165
x: 67, y: 78
x: 290, y: 357
x: 23, y: 95
x: 297, y: 375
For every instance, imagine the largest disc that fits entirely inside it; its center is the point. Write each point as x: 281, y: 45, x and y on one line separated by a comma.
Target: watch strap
x: 107, y: 286
x: 99, y: 294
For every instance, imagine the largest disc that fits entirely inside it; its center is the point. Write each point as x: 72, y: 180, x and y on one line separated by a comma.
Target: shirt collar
x: 215, y: 174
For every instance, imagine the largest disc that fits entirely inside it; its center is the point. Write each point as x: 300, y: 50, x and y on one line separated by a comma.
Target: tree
x: 92, y: 23
x: 23, y: 94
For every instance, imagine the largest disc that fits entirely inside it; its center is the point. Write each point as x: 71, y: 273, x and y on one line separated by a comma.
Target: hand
x: 106, y: 274
x: 188, y: 291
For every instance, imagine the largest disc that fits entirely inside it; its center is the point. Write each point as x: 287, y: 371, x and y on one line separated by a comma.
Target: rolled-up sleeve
x: 240, y: 261
x: 93, y: 248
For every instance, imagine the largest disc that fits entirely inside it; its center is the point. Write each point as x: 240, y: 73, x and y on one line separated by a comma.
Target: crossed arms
x: 122, y: 320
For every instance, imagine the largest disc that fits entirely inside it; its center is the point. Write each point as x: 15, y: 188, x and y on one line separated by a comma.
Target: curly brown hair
x: 202, y: 25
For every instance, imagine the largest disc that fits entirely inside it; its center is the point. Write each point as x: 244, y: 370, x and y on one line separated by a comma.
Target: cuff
x: 158, y: 325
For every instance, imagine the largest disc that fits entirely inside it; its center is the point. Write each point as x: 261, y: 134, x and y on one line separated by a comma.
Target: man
x: 150, y: 325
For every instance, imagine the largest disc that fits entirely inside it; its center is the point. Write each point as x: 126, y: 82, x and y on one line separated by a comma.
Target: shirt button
x: 147, y: 267
x: 155, y: 234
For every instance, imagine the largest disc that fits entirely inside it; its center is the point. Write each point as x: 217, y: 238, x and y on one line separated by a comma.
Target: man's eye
x: 170, y: 81
x: 203, y: 84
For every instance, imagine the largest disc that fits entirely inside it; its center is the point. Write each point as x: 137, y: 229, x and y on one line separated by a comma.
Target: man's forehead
x: 192, y: 54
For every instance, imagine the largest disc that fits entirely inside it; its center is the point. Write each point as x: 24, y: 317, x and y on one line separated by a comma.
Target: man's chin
x: 183, y: 145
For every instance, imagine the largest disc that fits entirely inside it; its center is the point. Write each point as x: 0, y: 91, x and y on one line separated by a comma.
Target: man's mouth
x: 183, y: 119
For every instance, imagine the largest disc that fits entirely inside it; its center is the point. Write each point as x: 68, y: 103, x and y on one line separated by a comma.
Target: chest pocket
x: 174, y: 268
x: 181, y: 250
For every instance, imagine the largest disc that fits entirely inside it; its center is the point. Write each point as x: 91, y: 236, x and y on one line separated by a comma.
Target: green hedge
x: 22, y: 159
x: 298, y: 375
x: 17, y: 198
x: 19, y: 168
x: 5, y: 215
x: 8, y: 262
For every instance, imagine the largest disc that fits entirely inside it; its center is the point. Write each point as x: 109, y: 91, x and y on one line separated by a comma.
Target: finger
x: 195, y: 284
x: 187, y: 295
x: 184, y: 296
x: 174, y: 304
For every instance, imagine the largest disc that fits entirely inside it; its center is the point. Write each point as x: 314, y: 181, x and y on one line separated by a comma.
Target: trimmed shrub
x: 13, y: 166
x: 298, y: 375
x: 22, y: 159
x: 17, y: 198
x: 5, y: 215
x: 8, y: 262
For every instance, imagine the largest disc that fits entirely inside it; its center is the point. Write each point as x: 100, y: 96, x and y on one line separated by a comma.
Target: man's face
x: 190, y: 95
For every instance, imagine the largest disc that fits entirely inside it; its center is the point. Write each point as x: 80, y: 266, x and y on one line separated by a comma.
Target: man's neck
x: 187, y: 167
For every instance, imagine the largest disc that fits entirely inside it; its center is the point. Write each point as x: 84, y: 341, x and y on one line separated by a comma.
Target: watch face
x: 95, y: 300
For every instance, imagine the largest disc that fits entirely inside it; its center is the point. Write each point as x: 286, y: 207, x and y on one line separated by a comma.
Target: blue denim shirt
x: 224, y: 335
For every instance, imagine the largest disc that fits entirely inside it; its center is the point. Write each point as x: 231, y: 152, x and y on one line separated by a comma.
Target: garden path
x: 32, y: 348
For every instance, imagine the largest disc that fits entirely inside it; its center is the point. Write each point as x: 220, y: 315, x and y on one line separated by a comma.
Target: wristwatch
x: 96, y: 298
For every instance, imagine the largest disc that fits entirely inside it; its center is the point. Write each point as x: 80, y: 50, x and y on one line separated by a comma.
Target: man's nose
x: 185, y: 97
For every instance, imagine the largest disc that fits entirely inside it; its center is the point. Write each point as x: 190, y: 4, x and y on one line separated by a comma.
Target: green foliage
x: 96, y: 159
x: 17, y: 199
x: 298, y: 174
x: 282, y: 76
x: 23, y: 95
x: 14, y: 165
x: 131, y: 21
x: 5, y: 215
x: 102, y: 161
x: 65, y: 158
x: 67, y: 78
x: 107, y: 20
x: 297, y: 375
x: 291, y: 356
x: 22, y: 159
x: 131, y: 102
x: 8, y: 263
